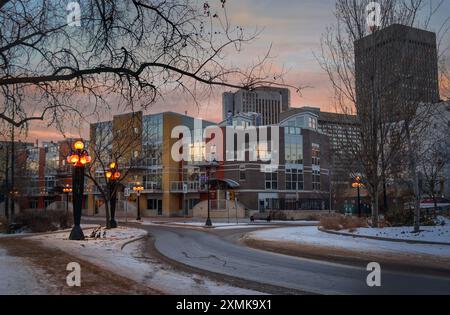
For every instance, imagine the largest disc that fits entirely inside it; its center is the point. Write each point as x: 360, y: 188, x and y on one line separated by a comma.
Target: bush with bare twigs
x: 43, y: 220
x: 3, y: 225
x: 340, y: 222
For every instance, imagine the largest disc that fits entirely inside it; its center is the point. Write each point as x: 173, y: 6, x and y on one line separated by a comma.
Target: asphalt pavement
x: 207, y: 251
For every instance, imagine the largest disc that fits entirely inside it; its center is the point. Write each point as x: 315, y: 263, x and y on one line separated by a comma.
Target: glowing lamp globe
x: 83, y: 160
x: 78, y: 145
x: 74, y: 159
x: 108, y: 174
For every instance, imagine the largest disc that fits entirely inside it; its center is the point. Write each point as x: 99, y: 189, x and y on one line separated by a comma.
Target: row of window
x: 294, y: 180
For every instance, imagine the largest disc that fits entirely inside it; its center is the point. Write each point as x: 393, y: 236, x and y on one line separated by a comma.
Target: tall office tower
x: 267, y: 101
x: 396, y: 68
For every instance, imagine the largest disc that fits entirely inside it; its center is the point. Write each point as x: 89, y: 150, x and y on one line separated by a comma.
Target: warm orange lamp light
x: 78, y: 145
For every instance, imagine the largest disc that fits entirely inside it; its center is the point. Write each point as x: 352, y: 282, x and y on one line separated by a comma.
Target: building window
x: 316, y: 179
x: 312, y: 123
x: 315, y: 154
x: 263, y: 151
x: 33, y: 204
x: 152, y: 204
x: 271, y: 180
x: 242, y: 173
x: 293, y: 146
x: 294, y: 179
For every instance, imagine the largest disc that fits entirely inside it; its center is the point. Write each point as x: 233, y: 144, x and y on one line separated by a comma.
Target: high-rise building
x: 395, y: 68
x: 267, y: 101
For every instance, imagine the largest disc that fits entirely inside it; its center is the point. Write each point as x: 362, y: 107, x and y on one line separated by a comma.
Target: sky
x: 293, y: 28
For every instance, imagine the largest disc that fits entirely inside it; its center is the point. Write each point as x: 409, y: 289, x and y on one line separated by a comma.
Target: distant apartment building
x: 141, y: 145
x: 40, y: 172
x: 242, y: 119
x: 395, y: 68
x: 269, y: 102
x: 299, y: 181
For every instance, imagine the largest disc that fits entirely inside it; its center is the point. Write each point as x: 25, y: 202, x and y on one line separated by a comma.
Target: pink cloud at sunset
x: 293, y: 29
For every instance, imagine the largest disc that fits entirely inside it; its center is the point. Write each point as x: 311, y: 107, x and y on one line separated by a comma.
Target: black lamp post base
x: 208, y: 222
x: 138, y: 219
x: 76, y: 234
x: 113, y: 224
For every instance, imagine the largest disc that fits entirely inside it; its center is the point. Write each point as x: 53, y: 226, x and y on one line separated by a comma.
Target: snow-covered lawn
x: 310, y: 235
x: 134, y: 263
x: 112, y: 239
x: 439, y: 234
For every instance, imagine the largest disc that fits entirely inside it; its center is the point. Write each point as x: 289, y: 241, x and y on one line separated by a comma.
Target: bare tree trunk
x: 7, y: 184
x: 416, y: 200
x: 13, y: 161
x: 415, y: 179
x: 108, y: 220
x: 375, y: 212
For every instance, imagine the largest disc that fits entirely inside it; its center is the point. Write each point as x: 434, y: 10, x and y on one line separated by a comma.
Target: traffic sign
x: 127, y: 192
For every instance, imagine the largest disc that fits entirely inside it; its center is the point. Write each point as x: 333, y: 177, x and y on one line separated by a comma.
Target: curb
x: 131, y: 241
x: 383, y: 238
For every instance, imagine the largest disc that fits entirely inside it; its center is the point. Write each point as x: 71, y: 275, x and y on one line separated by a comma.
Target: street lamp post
x: 112, y: 176
x: 138, y: 190
x: 209, y: 167
x: 358, y: 184
x: 79, y: 157
x: 67, y: 190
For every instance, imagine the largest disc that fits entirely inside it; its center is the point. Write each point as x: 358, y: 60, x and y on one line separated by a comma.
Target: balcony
x: 149, y: 187
x: 192, y: 187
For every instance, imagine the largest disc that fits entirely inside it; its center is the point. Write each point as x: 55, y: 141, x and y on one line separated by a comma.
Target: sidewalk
x: 18, y: 277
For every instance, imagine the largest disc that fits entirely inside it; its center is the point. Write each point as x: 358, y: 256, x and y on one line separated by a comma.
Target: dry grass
x: 341, y: 222
x: 44, y: 220
x: 3, y: 225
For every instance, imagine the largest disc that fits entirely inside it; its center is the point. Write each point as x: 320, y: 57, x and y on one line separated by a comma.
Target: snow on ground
x: 439, y: 233
x: 17, y: 277
x: 132, y: 262
x: 310, y: 235
x: 231, y: 225
x: 112, y: 239
x: 215, y: 225
x: 429, y: 233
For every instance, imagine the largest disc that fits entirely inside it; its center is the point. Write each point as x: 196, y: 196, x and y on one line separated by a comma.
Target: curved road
x: 210, y: 252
